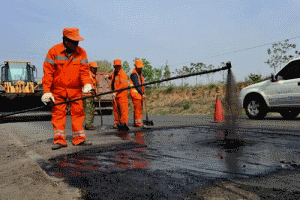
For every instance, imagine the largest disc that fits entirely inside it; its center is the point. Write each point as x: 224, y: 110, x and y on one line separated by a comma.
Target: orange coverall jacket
x: 63, y: 76
x: 121, y: 81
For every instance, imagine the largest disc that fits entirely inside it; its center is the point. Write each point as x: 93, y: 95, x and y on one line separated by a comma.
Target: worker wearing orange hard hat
x: 120, y: 106
x: 89, y: 106
x: 137, y: 93
x: 66, y: 72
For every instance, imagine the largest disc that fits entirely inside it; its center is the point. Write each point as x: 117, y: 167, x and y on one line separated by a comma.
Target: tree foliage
x: 166, y: 71
x: 278, y: 53
x: 196, y: 68
x: 104, y: 66
x: 254, y: 78
x: 200, y: 67
x: 179, y: 72
x: 126, y: 67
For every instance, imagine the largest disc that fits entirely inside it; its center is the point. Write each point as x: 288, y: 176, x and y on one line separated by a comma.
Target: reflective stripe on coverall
x: 121, y: 81
x: 137, y: 99
x: 64, y: 77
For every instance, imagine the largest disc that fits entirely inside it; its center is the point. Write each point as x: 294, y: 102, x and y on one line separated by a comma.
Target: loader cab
x: 13, y: 71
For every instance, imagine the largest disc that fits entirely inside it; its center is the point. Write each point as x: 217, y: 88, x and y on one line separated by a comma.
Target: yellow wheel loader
x: 18, y: 88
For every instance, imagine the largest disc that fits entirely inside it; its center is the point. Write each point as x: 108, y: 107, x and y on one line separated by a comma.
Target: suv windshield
x: 291, y: 71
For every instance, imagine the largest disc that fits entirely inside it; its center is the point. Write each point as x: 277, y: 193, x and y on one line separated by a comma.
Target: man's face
x: 93, y: 70
x: 70, y: 44
x: 117, y: 67
x: 138, y: 69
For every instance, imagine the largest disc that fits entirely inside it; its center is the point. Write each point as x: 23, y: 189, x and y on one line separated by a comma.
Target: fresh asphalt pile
x: 182, y: 163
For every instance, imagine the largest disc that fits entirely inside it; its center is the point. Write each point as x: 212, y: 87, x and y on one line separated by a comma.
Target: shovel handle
x: 114, y: 100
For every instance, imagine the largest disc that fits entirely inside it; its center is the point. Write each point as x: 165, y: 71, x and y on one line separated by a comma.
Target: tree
x: 186, y: 70
x: 166, y: 71
x: 222, y: 64
x: 126, y: 67
x: 179, y: 72
x: 196, y: 68
x: 207, y: 68
x: 104, y: 66
x: 278, y: 55
x: 157, y: 75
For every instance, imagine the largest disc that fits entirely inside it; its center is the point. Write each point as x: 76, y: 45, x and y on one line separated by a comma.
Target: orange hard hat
x: 117, y: 62
x: 93, y: 64
x: 139, y: 63
x: 72, y: 34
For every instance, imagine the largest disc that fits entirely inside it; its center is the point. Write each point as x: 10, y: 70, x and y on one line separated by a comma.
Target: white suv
x: 279, y: 94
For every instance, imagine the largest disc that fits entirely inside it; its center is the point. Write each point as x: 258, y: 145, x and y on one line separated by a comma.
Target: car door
x: 285, y: 91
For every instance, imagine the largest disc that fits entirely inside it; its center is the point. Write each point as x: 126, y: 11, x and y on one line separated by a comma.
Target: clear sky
x: 179, y: 32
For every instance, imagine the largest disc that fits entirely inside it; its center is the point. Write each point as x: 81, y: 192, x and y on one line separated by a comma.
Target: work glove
x: 47, y: 97
x: 87, y: 89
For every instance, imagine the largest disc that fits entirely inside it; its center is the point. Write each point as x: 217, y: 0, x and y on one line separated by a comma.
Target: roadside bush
x: 255, y: 77
x: 210, y: 86
x: 186, y: 106
x: 169, y: 89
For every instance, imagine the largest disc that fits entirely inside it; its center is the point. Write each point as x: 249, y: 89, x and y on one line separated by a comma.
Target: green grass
x: 186, y: 106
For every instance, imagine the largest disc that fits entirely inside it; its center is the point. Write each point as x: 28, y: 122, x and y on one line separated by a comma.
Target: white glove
x: 87, y: 88
x: 47, y: 97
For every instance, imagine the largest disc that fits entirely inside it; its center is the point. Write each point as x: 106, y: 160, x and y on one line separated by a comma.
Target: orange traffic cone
x: 219, y: 116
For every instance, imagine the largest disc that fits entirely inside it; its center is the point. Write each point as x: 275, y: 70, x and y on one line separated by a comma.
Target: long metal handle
x: 228, y: 66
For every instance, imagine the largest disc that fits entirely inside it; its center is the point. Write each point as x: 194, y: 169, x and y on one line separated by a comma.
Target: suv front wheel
x: 256, y: 108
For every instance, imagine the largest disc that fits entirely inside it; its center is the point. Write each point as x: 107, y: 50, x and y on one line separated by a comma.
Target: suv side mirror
x: 272, y: 78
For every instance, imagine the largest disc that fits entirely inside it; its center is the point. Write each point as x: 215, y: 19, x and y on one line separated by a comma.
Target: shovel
x: 100, y: 111
x: 147, y: 121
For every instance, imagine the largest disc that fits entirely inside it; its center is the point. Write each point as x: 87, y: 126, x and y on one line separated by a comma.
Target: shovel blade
x: 148, y: 122
x: 122, y: 127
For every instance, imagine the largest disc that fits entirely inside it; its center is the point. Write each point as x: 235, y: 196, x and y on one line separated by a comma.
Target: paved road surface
x: 270, y: 152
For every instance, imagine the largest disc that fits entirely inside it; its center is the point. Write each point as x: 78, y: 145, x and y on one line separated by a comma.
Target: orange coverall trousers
x: 59, y: 118
x: 122, y: 102
x: 138, y: 111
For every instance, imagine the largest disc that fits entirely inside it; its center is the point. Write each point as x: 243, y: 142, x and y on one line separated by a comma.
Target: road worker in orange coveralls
x: 119, y: 80
x: 137, y: 93
x: 88, y: 104
x: 66, y: 72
